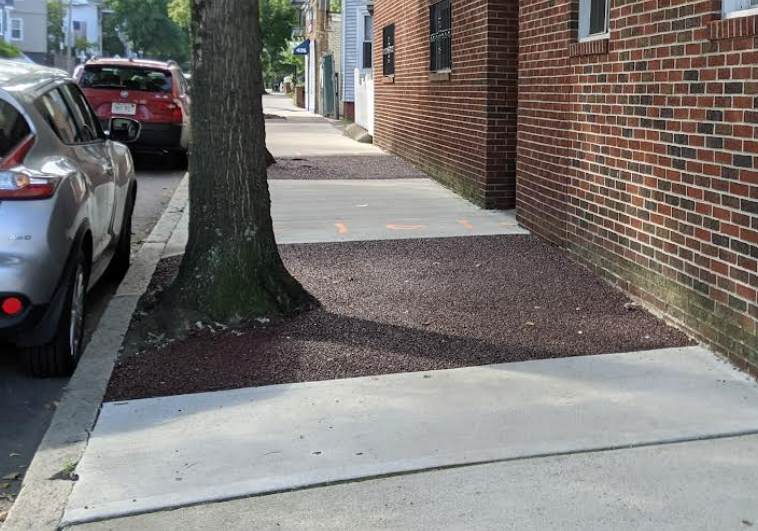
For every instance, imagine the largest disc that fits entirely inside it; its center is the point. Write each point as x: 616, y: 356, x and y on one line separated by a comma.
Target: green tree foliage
x: 179, y: 11
x: 150, y: 30
x: 286, y: 64
x: 277, y: 19
x: 8, y: 51
x: 55, y: 33
x: 112, y: 43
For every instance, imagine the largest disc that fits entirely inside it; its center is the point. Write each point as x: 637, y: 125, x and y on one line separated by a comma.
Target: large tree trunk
x: 231, y: 271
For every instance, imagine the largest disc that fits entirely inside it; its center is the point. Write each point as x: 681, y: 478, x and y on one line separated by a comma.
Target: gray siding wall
x: 349, y: 46
x: 351, y: 11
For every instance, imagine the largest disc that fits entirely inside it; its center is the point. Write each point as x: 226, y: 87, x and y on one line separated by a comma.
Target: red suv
x: 154, y: 93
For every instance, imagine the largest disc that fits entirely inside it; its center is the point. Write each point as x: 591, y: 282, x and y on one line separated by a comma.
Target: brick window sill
x: 388, y: 79
x: 732, y: 28
x: 596, y: 47
x: 436, y: 77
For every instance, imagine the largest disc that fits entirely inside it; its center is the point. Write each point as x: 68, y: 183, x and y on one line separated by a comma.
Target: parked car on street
x: 67, y: 193
x: 154, y: 93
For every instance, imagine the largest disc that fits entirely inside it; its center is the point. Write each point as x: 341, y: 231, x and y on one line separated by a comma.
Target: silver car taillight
x: 19, y: 184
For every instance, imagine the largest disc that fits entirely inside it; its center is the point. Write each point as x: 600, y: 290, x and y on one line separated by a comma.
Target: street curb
x: 42, y: 500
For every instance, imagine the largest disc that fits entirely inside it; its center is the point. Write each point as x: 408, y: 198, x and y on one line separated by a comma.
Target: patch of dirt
x: 396, y: 306
x: 344, y: 167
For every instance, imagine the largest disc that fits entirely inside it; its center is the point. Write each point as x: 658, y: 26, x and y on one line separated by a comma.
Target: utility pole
x: 69, y: 57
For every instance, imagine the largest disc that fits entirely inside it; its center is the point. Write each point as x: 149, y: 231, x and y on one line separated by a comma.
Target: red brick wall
x: 640, y: 154
x: 460, y: 130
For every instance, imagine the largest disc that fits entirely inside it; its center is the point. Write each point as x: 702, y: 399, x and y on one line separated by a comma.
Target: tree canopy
x: 55, y: 33
x: 277, y: 20
x: 150, y: 29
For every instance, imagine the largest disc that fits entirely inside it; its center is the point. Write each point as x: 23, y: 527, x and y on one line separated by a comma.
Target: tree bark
x: 231, y: 271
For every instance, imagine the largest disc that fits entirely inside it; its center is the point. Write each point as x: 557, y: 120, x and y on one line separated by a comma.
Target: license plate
x: 124, y: 108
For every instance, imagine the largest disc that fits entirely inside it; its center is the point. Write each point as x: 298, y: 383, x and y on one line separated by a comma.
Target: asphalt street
x: 28, y: 404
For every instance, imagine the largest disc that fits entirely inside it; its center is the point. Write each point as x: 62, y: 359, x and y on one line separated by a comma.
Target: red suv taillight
x: 173, y: 109
x: 18, y: 183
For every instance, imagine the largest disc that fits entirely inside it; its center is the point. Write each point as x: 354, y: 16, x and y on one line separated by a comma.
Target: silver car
x: 67, y: 192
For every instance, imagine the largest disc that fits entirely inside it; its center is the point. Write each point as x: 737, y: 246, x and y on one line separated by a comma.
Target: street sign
x: 303, y: 48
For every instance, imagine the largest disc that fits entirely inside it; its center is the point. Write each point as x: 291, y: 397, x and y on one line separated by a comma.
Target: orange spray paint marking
x: 341, y: 228
x: 465, y: 224
x: 404, y: 227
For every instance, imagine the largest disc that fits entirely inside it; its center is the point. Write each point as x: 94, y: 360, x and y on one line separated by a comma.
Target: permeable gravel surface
x: 343, y: 167
x: 411, y: 305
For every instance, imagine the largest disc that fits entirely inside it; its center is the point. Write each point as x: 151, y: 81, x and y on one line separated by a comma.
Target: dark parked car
x: 67, y: 192
x: 154, y: 93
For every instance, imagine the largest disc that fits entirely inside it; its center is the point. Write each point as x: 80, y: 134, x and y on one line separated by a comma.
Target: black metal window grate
x: 440, y: 36
x: 388, y: 50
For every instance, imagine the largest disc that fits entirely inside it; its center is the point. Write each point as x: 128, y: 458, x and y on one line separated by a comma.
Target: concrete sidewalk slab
x: 697, y: 486
x: 284, y: 105
x: 301, y: 139
x: 153, y: 454
x: 360, y: 210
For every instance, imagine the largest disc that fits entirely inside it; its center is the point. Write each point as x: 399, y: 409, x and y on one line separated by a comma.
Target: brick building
x: 637, y: 137
x: 456, y: 119
x: 638, y: 151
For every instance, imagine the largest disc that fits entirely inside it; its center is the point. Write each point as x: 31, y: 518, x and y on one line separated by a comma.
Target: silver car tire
x: 122, y: 257
x: 61, y: 355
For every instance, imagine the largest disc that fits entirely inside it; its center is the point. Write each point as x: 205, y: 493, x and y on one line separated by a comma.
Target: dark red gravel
x: 343, y: 167
x: 409, y: 305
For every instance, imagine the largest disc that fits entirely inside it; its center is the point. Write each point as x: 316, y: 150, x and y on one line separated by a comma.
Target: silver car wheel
x: 77, y: 312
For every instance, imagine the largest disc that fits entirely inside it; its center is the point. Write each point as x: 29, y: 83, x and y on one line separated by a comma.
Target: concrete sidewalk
x: 304, y: 134
x: 654, y: 440
x: 359, y: 210
x: 163, y: 453
x: 697, y: 486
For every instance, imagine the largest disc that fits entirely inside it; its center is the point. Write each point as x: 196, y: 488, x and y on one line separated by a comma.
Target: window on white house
x: 740, y: 8
x: 594, y: 19
x: 77, y: 25
x: 368, y: 40
x: 17, y: 29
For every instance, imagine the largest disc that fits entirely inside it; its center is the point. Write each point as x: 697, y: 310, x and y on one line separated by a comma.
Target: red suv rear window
x: 126, y: 78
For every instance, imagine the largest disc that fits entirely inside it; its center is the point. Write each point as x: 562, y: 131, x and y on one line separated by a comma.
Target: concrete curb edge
x: 42, y: 499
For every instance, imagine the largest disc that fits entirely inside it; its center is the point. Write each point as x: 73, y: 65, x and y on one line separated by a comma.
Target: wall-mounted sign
x: 303, y: 48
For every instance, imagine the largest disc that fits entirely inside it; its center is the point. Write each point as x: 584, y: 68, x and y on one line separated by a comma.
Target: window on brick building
x: 594, y: 19
x: 440, y: 37
x: 388, y: 50
x: 739, y: 8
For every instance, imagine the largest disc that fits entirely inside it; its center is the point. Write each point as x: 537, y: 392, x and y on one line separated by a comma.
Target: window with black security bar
x: 388, y: 50
x: 440, y: 37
